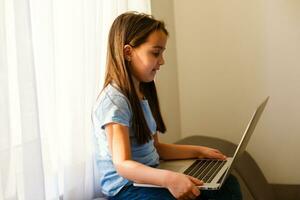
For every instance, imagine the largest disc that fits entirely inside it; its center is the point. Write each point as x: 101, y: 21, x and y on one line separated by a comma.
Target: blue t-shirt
x: 113, y: 106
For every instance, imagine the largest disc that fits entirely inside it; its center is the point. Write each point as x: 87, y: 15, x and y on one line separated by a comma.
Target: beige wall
x: 280, y: 133
x: 230, y: 55
x: 167, y: 79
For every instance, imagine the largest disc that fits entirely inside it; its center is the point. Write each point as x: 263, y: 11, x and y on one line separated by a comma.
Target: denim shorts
x: 229, y: 191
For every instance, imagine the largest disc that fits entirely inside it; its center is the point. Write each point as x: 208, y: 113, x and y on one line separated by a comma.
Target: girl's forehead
x: 157, y: 39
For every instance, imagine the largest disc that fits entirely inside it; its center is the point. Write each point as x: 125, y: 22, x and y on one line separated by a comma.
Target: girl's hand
x: 206, y: 152
x: 182, y: 186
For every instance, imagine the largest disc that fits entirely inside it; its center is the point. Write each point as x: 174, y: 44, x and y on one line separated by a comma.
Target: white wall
x: 230, y: 55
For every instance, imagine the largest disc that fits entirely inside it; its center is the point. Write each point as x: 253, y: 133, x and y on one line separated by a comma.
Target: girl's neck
x: 136, y: 84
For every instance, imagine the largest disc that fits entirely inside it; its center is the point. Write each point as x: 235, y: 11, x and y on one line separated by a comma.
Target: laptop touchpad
x: 177, y: 165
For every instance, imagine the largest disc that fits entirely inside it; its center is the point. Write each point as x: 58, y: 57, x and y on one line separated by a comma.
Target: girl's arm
x: 177, y: 151
x: 179, y: 185
x: 119, y: 144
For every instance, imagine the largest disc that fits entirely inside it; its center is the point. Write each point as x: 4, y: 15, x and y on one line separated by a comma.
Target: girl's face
x: 147, y: 58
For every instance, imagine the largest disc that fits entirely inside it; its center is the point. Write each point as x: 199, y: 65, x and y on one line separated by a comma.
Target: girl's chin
x: 149, y: 79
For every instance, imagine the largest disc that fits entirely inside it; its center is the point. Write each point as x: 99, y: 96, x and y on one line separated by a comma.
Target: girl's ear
x: 127, y: 52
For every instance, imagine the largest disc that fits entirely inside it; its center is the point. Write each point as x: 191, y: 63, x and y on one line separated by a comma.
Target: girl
x: 127, y: 118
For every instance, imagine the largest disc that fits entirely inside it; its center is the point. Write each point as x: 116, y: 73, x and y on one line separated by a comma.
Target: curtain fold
x: 51, y: 71
x: 5, y: 154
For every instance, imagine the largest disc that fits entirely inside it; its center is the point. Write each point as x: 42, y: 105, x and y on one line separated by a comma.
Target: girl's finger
x: 195, y: 192
x: 195, y: 180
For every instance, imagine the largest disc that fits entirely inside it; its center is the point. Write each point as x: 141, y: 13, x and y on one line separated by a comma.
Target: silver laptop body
x: 212, y: 172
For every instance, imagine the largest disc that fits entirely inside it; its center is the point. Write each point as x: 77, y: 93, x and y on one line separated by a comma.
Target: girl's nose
x: 161, y: 61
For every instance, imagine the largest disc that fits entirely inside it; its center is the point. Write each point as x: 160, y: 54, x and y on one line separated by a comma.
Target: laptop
x: 211, y: 171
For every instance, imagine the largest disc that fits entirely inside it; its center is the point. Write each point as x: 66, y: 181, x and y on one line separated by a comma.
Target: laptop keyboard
x: 205, y: 170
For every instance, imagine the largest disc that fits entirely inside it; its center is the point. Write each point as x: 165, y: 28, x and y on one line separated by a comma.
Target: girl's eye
x: 156, y: 54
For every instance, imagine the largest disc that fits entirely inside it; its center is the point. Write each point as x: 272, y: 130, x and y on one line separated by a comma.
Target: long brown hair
x: 133, y: 28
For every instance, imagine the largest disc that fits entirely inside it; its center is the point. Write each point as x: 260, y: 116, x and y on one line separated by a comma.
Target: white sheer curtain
x: 52, y: 57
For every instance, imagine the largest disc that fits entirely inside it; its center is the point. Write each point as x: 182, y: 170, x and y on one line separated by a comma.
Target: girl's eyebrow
x: 158, y: 47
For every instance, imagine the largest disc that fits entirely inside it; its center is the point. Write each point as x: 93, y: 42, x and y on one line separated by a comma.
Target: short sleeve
x: 113, y: 108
